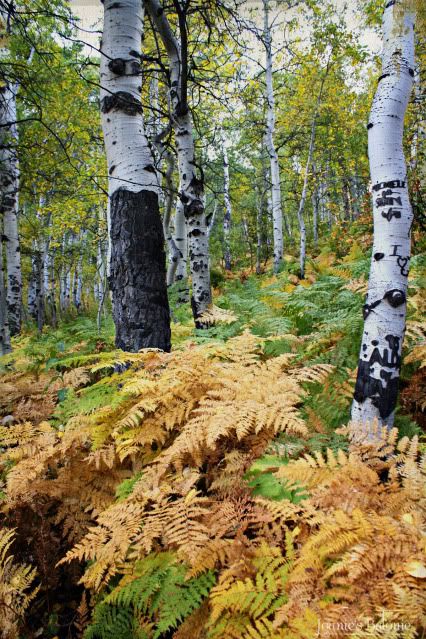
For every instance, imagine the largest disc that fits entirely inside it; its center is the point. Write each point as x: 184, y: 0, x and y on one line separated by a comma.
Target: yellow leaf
x: 416, y: 569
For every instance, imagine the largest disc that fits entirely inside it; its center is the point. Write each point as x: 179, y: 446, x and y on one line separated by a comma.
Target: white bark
x: 4, y: 321
x: 315, y: 204
x: 9, y: 181
x: 385, y: 309
x: 137, y: 261
x: 227, y: 218
x: 130, y: 161
x: 190, y: 187
x: 173, y: 251
x: 277, y: 215
x: 65, y: 278
x: 300, y: 217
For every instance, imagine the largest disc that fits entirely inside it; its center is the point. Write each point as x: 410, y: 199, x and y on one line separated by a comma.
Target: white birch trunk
x: 191, y: 188
x: 315, y: 205
x: 300, y: 217
x: 137, y: 262
x: 9, y: 182
x: 78, y: 280
x: 385, y: 309
x: 5, y: 346
x: 277, y: 215
x: 181, y: 241
x: 227, y: 218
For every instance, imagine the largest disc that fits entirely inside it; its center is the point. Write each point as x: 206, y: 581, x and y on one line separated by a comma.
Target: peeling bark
x: 137, y: 272
x: 376, y: 387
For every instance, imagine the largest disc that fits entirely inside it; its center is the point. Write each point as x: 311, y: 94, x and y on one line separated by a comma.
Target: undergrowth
x: 212, y: 492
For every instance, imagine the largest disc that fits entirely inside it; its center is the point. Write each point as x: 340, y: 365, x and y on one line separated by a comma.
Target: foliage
x: 206, y: 492
x: 16, y: 588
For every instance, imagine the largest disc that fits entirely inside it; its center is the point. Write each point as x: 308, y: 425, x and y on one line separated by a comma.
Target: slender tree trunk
x: 5, y: 346
x: 78, y: 284
x: 191, y: 188
x: 32, y: 285
x: 173, y: 251
x: 228, y: 208
x: 137, y: 268
x: 277, y: 215
x: 315, y: 205
x: 300, y: 217
x: 385, y: 309
x: 9, y: 183
x: 259, y: 210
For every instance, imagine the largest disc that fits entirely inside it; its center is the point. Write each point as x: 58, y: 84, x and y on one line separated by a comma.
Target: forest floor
x: 224, y: 496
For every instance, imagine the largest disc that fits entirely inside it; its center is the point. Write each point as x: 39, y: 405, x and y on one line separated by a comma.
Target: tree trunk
x: 191, y: 188
x: 302, y: 225
x: 228, y: 208
x: 9, y: 182
x: 137, y: 271
x: 277, y: 215
x: 376, y: 387
x: 315, y: 205
x: 5, y: 346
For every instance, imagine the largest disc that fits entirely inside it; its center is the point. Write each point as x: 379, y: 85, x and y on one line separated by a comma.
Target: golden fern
x: 16, y: 588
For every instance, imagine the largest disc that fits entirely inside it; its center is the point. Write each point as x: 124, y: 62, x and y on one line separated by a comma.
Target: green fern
x: 157, y: 592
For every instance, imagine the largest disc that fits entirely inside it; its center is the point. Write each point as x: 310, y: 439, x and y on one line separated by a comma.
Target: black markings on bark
x: 367, y: 308
x: 138, y: 272
x: 150, y: 168
x: 385, y: 75
x: 120, y: 66
x: 390, y: 213
x: 395, y: 297
x: 378, y: 256
x: 395, y: 250
x: 403, y: 263
x: 370, y: 125
x: 383, y: 392
x: 411, y: 72
x: 121, y: 101
x: 117, y: 66
x: 387, y: 199
x: 114, y: 5
x: 393, y: 184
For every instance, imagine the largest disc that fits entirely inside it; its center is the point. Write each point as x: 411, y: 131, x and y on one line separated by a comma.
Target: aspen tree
x: 191, y: 187
x: 137, y: 271
x: 277, y: 215
x: 376, y: 387
x: 9, y: 184
x: 228, y: 208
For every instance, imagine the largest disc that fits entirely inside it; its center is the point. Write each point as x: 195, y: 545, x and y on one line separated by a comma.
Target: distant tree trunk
x: 9, y: 183
x: 277, y: 215
x: 32, y: 285
x: 78, y: 284
x: 137, y: 266
x: 300, y: 217
x: 315, y: 205
x: 191, y: 188
x: 379, y: 366
x: 259, y: 210
x: 5, y: 346
x: 65, y: 277
x: 228, y: 208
